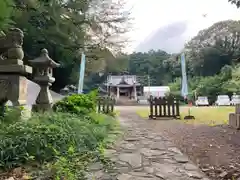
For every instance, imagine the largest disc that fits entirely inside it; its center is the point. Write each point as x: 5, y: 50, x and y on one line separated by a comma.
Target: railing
x: 164, y: 107
x: 106, y: 104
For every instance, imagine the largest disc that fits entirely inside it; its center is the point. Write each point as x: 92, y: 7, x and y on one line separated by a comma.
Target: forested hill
x: 211, y: 56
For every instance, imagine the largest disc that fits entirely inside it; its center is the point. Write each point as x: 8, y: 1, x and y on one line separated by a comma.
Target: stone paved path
x: 146, y: 155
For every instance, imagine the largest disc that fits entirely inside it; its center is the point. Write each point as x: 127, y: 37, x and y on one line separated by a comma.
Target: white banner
x: 184, y: 90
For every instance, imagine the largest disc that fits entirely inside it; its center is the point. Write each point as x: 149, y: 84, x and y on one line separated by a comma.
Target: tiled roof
x: 124, y: 79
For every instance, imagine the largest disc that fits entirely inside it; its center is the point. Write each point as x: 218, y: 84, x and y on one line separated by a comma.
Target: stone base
x: 42, y: 107
x: 234, y: 120
x: 13, y: 87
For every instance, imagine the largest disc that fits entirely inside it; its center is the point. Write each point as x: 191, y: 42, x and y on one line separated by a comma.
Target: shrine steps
x: 126, y: 102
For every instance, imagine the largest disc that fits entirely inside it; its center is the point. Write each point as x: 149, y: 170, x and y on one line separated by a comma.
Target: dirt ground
x: 216, y: 150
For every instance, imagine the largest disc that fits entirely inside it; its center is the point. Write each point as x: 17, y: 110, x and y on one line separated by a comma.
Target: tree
x: 5, y: 13
x: 67, y: 28
x: 153, y: 64
x: 236, y: 2
x: 214, y: 48
x: 107, y: 22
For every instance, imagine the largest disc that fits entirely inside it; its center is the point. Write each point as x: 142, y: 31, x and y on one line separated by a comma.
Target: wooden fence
x: 164, y: 107
x: 106, y: 104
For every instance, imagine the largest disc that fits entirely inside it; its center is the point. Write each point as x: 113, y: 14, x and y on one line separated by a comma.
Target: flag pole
x: 184, y: 90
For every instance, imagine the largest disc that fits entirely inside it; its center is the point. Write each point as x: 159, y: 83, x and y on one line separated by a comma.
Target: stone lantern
x: 44, y: 77
x: 13, y: 71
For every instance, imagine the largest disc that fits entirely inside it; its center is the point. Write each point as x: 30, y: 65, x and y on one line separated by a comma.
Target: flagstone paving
x: 145, y: 155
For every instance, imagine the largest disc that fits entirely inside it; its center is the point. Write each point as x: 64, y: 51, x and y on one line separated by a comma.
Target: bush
x: 78, y: 103
x: 63, y: 142
x: 10, y: 114
x: 39, y: 138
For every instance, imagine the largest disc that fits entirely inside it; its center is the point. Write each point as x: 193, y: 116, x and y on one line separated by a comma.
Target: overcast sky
x: 150, y: 15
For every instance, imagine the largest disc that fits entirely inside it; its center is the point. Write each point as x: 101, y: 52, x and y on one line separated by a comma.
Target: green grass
x: 203, y: 115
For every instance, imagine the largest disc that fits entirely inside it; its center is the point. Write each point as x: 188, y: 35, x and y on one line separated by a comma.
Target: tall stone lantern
x: 44, y: 77
x: 13, y: 71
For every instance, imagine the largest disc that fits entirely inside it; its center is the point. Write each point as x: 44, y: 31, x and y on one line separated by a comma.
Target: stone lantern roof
x: 44, y: 60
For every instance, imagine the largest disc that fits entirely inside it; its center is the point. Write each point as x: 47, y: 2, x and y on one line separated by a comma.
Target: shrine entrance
x: 123, y: 87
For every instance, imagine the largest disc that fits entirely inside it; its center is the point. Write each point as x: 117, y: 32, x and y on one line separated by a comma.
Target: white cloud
x: 150, y: 15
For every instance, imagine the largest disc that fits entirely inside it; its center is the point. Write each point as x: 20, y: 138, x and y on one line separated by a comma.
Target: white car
x: 202, y: 101
x: 235, y: 100
x: 223, y: 100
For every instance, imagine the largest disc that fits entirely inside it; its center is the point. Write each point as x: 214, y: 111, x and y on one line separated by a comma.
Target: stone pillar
x: 118, y: 93
x: 237, y: 109
x: 44, y: 65
x: 13, y: 81
x: 234, y: 118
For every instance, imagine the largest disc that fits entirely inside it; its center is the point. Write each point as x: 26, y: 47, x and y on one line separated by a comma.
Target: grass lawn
x: 203, y: 115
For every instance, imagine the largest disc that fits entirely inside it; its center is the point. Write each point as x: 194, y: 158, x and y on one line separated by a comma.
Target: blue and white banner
x: 184, y: 90
x: 82, y: 73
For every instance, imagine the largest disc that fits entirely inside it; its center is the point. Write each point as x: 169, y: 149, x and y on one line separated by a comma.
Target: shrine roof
x: 123, y: 80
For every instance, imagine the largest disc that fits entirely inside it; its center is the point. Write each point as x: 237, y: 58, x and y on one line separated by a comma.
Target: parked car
x: 202, y: 101
x: 223, y: 100
x: 235, y: 99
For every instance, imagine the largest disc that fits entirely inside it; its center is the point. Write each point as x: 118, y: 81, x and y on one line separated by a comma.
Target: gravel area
x: 216, y: 150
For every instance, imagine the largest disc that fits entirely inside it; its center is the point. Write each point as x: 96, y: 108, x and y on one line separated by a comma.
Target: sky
x: 150, y: 15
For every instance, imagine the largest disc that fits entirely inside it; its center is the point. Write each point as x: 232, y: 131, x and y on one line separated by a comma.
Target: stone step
x: 126, y: 101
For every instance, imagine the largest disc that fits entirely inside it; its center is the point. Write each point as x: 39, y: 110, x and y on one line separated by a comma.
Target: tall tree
x: 66, y: 28
x: 213, y: 48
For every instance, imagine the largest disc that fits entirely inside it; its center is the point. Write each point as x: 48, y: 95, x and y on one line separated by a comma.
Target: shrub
x: 39, y: 138
x: 78, y: 103
x: 11, y: 114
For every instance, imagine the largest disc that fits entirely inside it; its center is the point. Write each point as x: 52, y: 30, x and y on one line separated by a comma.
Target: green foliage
x: 213, y: 48
x: 209, y: 86
x: 5, y: 13
x: 61, y: 143
x: 11, y: 114
x: 176, y: 85
x: 46, y: 136
x: 71, y: 166
x: 153, y: 64
x: 59, y: 27
x: 78, y: 103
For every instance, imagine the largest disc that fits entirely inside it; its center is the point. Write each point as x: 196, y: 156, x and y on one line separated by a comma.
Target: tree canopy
x: 67, y: 28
